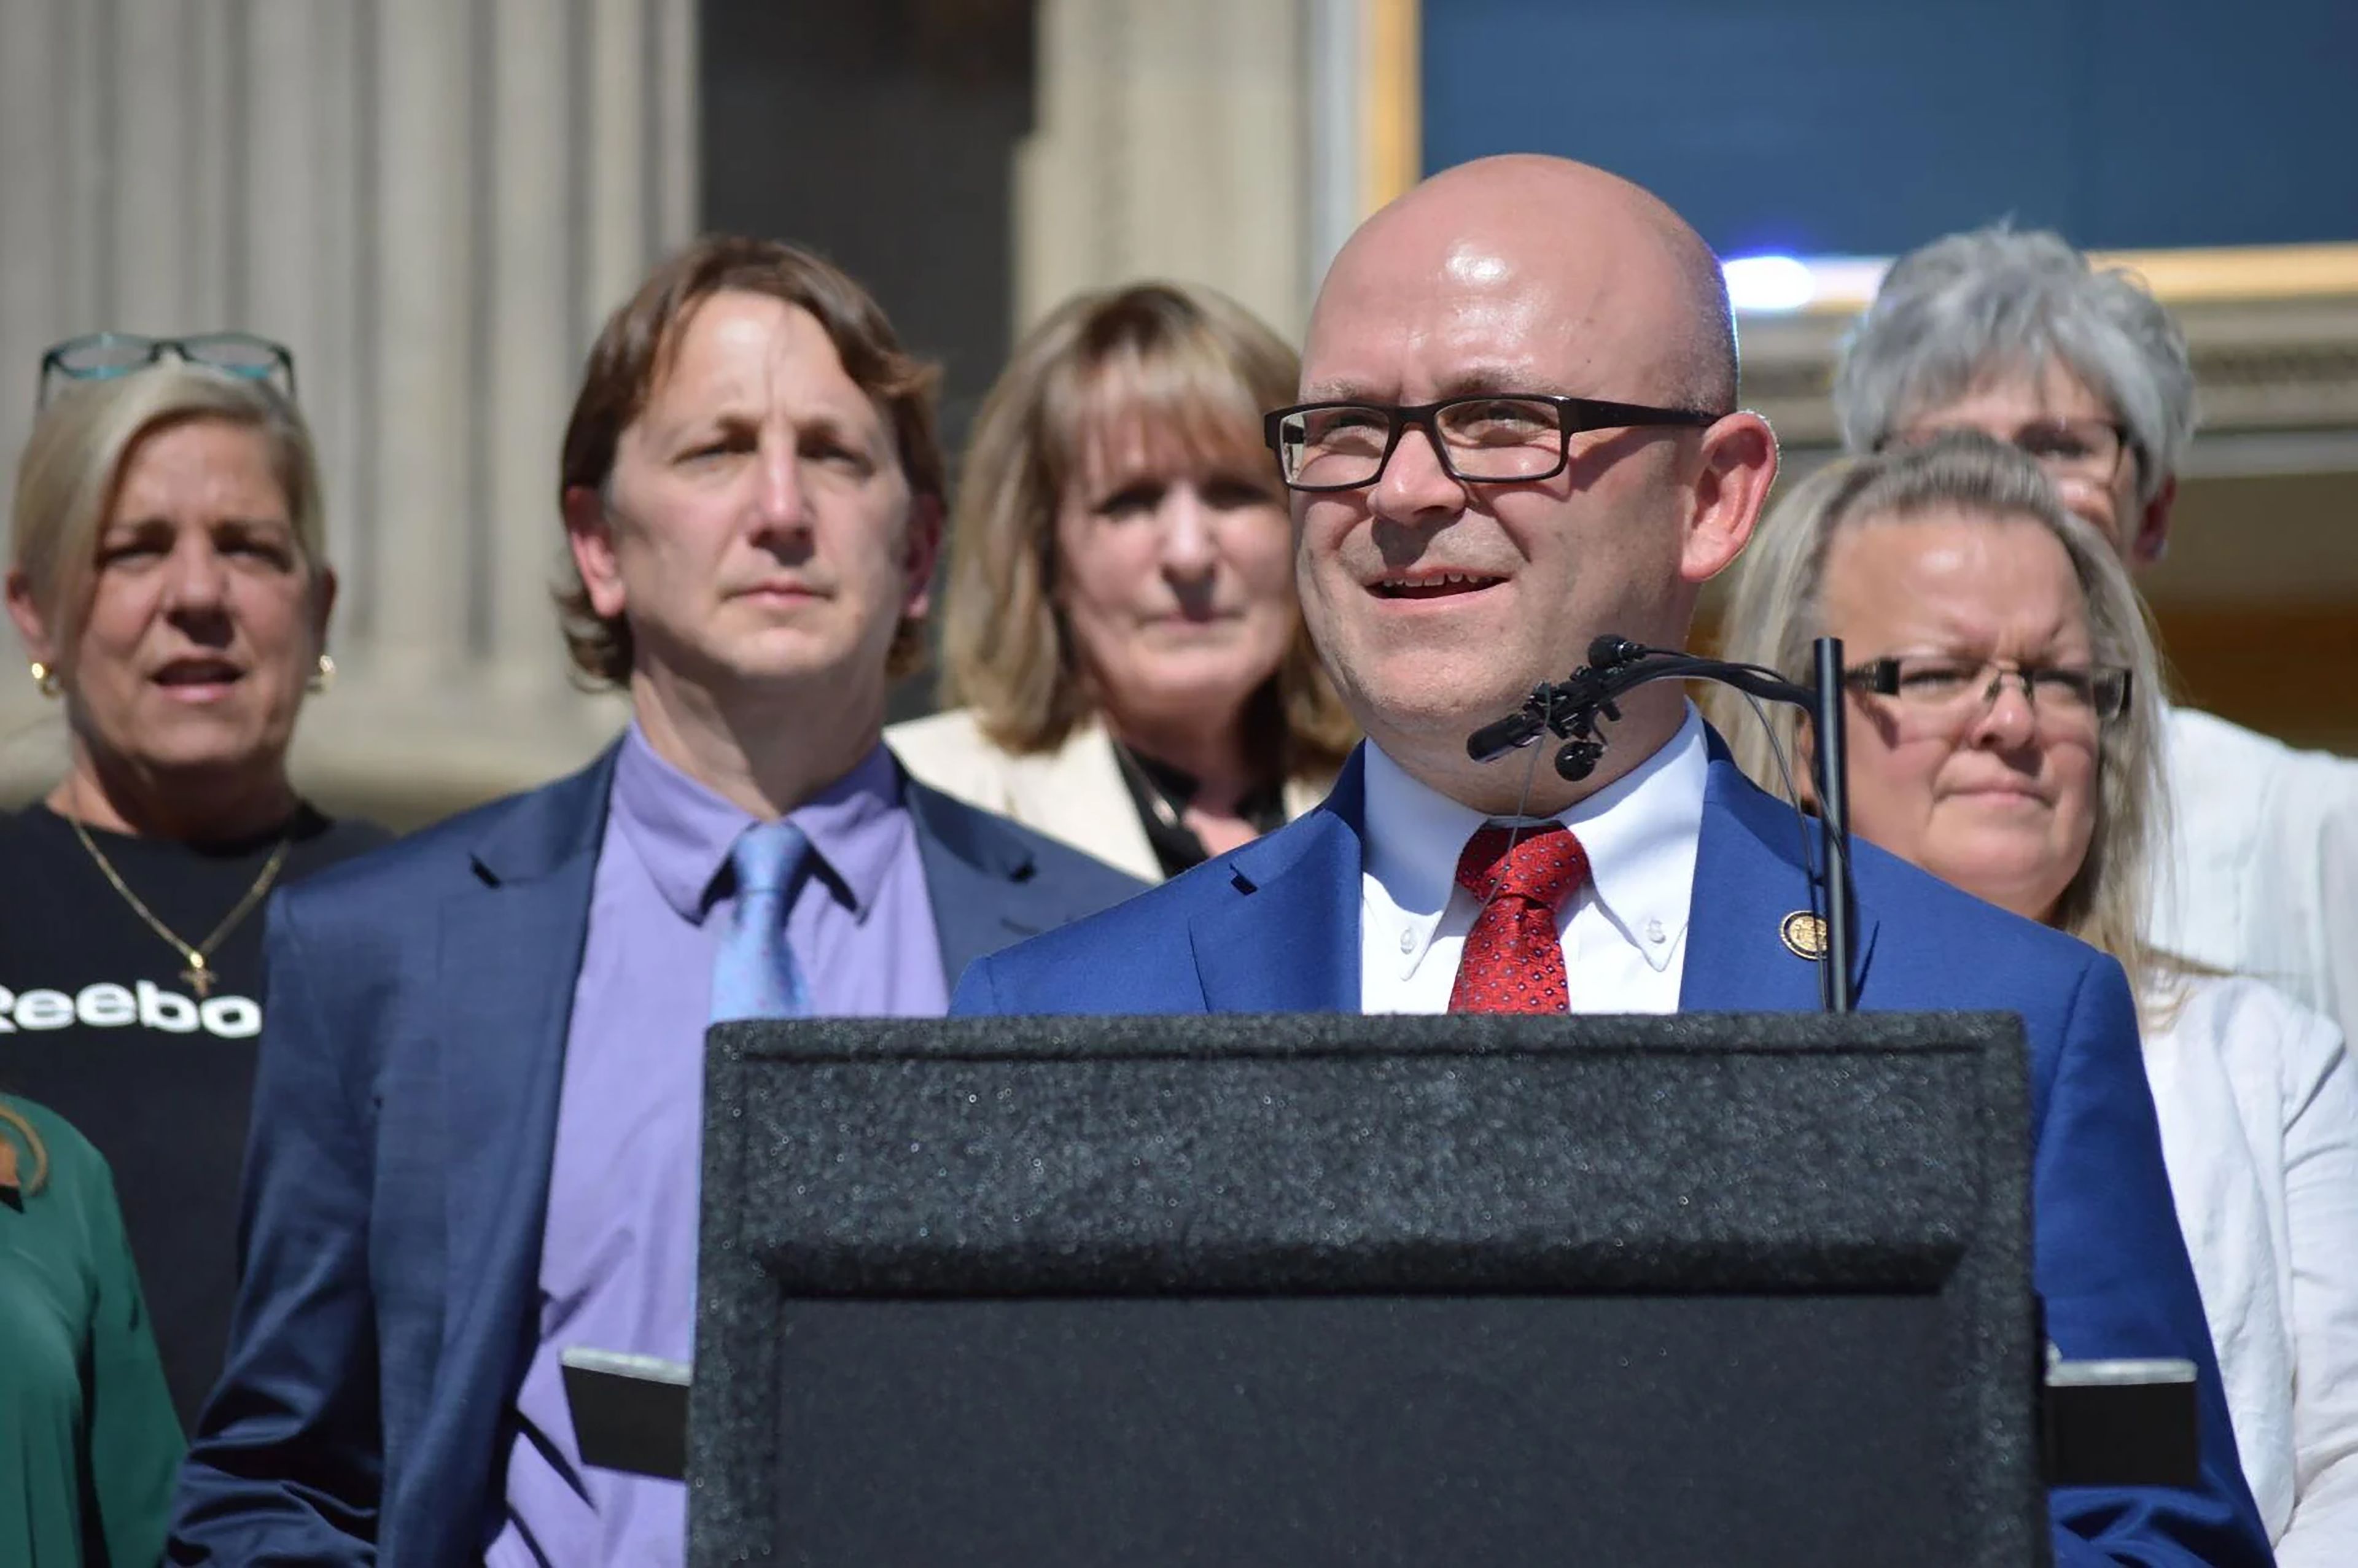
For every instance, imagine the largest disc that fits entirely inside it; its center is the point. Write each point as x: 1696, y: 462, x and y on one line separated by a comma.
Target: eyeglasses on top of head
x: 100, y: 356
x: 1942, y: 683
x: 1489, y: 439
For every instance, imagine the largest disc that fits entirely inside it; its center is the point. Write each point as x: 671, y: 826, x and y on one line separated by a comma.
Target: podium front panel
x: 1322, y: 1289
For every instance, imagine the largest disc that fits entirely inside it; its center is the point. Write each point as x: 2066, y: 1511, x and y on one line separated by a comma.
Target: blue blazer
x: 397, y: 1174
x: 1274, y: 927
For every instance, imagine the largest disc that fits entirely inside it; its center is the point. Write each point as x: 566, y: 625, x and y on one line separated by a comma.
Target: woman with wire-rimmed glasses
x: 2006, y: 733
x: 169, y: 577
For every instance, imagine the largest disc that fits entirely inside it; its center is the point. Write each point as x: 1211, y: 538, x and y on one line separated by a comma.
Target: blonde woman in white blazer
x: 1124, y: 662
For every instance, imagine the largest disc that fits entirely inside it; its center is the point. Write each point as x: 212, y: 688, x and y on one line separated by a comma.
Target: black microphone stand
x: 1571, y: 709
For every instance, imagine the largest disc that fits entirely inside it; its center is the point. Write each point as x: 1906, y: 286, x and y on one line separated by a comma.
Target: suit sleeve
x: 286, y: 1465
x: 2111, y: 1267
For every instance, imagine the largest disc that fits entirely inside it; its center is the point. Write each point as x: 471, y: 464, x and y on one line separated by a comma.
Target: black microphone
x: 1610, y: 652
x: 1606, y: 653
x: 1500, y: 735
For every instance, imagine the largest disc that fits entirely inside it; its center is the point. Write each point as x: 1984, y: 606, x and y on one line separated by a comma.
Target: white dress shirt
x: 2261, y: 877
x: 2259, y: 1129
x: 1624, y: 933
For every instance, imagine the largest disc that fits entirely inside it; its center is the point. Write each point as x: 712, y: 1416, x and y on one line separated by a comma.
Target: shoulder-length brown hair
x: 1180, y: 359
x: 638, y: 346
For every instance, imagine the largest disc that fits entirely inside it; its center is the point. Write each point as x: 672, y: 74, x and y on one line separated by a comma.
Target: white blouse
x: 2259, y: 1127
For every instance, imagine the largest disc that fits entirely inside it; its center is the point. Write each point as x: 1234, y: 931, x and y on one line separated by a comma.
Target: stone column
x: 1171, y: 142
x: 1234, y: 142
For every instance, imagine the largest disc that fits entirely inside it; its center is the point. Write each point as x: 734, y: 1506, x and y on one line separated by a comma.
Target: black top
x: 97, y: 1024
x: 1160, y: 794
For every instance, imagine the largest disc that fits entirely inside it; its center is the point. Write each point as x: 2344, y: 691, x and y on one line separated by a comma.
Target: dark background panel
x: 882, y: 135
x: 1860, y: 127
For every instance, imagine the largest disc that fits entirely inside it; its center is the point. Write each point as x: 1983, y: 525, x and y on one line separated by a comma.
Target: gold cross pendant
x: 199, y: 978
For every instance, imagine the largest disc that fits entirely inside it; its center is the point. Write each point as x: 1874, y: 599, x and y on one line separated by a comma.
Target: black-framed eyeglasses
x: 2086, y: 449
x: 100, y: 356
x: 1493, y: 438
x: 1945, y: 685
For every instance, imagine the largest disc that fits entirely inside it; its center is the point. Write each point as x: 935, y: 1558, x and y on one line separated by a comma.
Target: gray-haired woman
x: 2006, y: 735
x: 2015, y: 334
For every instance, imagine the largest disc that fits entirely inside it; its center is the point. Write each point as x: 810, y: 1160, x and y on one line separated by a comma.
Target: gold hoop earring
x: 45, y: 679
x: 323, y: 680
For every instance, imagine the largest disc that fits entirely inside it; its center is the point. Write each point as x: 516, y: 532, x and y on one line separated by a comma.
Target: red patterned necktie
x: 1514, y: 959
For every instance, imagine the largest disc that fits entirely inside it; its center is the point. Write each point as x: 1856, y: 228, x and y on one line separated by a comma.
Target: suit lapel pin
x: 1804, y: 935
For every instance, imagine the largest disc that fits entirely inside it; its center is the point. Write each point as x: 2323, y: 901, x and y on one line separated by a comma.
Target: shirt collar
x: 683, y: 830
x: 1640, y: 833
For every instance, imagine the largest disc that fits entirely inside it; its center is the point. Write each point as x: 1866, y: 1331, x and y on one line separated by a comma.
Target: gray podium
x: 1318, y: 1289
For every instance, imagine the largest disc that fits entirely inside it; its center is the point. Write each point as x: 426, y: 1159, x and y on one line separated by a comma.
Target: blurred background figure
x: 1122, y: 655
x: 2006, y: 733
x: 88, y: 1441
x: 2015, y: 335
x: 167, y: 573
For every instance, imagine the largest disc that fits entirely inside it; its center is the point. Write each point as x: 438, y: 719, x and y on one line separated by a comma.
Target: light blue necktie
x: 754, y: 974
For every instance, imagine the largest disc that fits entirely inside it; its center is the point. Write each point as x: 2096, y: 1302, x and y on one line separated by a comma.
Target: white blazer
x: 1075, y: 793
x: 2259, y: 1129
x: 2261, y: 875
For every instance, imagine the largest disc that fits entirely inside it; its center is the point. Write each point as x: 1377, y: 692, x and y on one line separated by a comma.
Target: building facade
x: 435, y: 202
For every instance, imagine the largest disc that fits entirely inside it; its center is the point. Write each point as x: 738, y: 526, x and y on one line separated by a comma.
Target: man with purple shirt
x: 475, y: 1133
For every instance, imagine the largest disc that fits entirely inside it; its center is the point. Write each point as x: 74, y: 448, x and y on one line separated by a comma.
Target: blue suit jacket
x: 1274, y: 927
x: 397, y: 1174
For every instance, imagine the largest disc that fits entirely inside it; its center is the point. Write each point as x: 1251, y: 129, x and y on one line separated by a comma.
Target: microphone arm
x: 1571, y: 709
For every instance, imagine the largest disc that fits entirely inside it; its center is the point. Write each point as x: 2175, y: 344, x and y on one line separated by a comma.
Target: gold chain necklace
x: 199, y: 975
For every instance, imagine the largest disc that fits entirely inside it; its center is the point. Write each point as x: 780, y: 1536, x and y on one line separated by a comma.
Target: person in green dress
x: 88, y: 1443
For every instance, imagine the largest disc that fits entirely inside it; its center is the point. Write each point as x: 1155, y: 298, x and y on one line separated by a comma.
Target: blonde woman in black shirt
x: 169, y: 578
